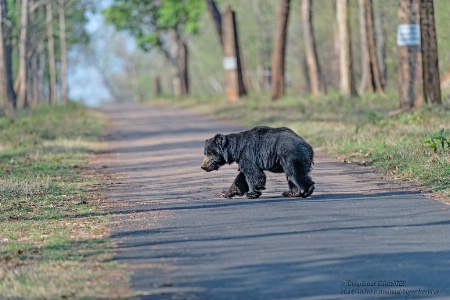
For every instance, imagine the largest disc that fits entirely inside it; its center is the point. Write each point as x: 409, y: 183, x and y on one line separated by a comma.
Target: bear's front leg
x: 239, y: 187
x: 256, y: 180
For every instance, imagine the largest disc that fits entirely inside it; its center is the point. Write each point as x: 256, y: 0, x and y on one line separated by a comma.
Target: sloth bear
x: 262, y: 148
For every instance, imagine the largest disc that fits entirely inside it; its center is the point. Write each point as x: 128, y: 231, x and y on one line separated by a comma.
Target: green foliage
x: 438, y: 139
x: 145, y: 20
x: 75, y: 23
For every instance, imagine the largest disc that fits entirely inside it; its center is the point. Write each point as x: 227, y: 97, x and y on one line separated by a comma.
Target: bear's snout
x: 207, y: 164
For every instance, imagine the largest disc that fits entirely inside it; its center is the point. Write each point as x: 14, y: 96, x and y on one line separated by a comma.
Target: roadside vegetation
x: 356, y: 130
x: 53, y: 236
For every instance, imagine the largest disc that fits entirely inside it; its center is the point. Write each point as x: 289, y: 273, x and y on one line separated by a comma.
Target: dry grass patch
x: 53, y: 235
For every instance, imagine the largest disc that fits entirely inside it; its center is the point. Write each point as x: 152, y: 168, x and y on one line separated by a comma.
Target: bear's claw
x: 297, y: 194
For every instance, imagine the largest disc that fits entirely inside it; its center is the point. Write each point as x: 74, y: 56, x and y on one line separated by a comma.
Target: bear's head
x: 215, y: 153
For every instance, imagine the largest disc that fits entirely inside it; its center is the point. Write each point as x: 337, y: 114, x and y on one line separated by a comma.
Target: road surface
x: 358, y: 236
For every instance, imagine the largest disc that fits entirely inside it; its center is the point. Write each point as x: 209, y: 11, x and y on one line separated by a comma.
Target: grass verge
x: 353, y: 129
x: 53, y: 235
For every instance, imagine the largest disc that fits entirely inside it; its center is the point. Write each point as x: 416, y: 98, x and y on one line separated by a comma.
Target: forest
x: 183, y: 47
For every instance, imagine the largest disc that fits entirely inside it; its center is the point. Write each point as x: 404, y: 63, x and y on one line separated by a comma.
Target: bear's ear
x: 220, y: 140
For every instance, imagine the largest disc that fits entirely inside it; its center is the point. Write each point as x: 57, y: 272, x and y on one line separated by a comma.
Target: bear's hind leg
x: 310, y: 186
x: 293, y: 190
x: 304, y: 186
x: 297, y: 173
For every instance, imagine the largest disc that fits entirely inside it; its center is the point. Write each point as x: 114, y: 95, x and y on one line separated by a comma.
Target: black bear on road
x: 262, y: 148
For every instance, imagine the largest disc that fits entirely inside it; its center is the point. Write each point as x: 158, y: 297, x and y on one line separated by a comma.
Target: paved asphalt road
x: 357, y: 233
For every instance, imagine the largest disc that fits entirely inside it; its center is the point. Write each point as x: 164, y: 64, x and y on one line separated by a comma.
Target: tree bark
x: 178, y: 58
x: 409, y: 55
x: 279, y: 50
x: 366, y: 75
x: 157, y: 86
x: 234, y: 81
x: 216, y: 16
x: 347, y: 83
x: 51, y: 52
x: 63, y: 45
x: 430, y: 60
x: 316, y: 80
x: 374, y: 67
x: 335, y: 79
x: 20, y: 85
x: 226, y: 29
x: 182, y: 67
x: 379, y: 20
x: 7, y: 94
x: 40, y: 76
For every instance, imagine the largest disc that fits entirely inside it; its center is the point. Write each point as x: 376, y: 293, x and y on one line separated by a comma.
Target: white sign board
x: 229, y: 63
x: 408, y: 35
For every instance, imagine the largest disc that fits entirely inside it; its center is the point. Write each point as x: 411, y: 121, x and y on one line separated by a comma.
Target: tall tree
x: 7, y: 94
x: 366, y: 75
x: 279, y: 50
x: 216, y: 16
x: 234, y: 82
x: 409, y: 56
x: 379, y: 21
x: 430, y: 59
x: 162, y: 25
x: 63, y: 49
x: 371, y: 77
x: 316, y: 80
x: 21, y: 81
x: 51, y: 51
x: 226, y: 29
x: 347, y: 83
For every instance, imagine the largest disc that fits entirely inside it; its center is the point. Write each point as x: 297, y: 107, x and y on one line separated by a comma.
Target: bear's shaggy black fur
x: 262, y: 148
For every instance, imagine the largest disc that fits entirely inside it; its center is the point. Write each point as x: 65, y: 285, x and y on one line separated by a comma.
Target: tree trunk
x: 279, y: 50
x: 335, y: 79
x: 372, y: 51
x: 63, y: 45
x: 226, y: 29
x: 366, y: 75
x: 37, y: 44
x: 21, y: 81
x: 7, y: 94
x: 178, y: 59
x: 347, y: 83
x: 182, y: 67
x: 40, y: 76
x: 379, y: 20
x: 216, y: 16
x: 316, y: 81
x: 430, y: 60
x: 234, y: 81
x: 409, y: 56
x: 51, y: 53
x: 157, y: 86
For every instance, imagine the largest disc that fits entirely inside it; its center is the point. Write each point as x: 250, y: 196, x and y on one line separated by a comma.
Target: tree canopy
x: 147, y: 19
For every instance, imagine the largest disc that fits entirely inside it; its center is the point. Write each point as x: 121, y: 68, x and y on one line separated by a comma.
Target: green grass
x: 53, y: 237
x: 353, y: 129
